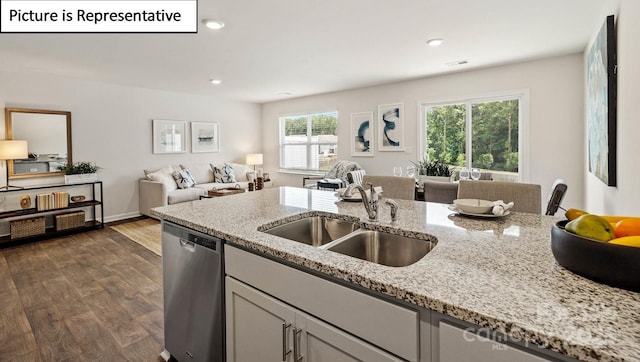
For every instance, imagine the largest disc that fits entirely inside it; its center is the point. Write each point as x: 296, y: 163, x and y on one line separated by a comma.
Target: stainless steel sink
x: 382, y: 248
x: 314, y: 230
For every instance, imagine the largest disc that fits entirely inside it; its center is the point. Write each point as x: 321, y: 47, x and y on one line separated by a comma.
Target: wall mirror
x: 48, y: 136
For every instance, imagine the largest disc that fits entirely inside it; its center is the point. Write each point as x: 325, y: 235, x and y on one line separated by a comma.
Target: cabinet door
x: 259, y: 327
x: 457, y: 345
x: 318, y: 341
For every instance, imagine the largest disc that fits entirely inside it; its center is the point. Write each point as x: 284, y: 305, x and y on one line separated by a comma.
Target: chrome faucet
x: 394, y: 209
x: 371, y: 202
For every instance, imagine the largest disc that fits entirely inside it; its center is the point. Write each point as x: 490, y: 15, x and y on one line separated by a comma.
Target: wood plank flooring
x: 94, y: 296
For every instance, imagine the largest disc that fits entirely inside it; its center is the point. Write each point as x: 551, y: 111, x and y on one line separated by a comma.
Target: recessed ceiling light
x: 435, y: 42
x: 216, y: 81
x: 213, y: 24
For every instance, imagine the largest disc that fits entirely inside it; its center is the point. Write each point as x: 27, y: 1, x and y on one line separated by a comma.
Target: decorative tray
x: 225, y: 191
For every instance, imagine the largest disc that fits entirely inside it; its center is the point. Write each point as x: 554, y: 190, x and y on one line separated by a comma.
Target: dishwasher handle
x: 188, y: 245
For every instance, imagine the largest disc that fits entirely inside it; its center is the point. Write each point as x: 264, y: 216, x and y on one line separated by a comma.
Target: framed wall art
x: 390, y: 127
x: 205, y: 137
x: 601, y: 104
x: 362, y: 134
x: 169, y: 136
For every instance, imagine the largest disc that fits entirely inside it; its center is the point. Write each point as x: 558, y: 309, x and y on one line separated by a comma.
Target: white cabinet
x: 457, y: 344
x: 262, y: 328
x: 389, y: 326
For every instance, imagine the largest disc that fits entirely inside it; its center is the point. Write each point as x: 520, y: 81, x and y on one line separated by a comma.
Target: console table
x: 10, y: 210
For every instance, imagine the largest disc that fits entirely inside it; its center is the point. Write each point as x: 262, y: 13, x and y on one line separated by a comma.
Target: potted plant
x: 79, y: 172
x: 435, y: 170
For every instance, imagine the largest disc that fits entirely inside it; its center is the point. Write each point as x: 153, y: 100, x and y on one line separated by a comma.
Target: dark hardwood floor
x: 94, y: 296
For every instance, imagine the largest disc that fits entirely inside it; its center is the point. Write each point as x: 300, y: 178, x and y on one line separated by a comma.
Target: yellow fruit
x: 615, y: 219
x: 572, y: 214
x: 591, y: 226
x: 627, y: 241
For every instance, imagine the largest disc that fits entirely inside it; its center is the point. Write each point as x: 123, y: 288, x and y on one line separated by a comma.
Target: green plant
x: 433, y: 168
x: 79, y: 168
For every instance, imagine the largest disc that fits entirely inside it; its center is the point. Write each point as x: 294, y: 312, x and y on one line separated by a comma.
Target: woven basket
x: 69, y: 220
x: 26, y: 227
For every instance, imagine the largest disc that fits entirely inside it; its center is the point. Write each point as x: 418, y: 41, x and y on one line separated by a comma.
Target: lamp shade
x: 254, y: 159
x: 13, y: 149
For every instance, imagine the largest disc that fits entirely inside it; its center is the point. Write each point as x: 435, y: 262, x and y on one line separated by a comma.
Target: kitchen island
x: 494, y: 273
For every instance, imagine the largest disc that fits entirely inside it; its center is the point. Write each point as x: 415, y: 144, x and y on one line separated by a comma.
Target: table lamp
x: 254, y: 159
x: 12, y: 150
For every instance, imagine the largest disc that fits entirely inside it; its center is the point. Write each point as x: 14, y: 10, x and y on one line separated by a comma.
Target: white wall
x: 556, y: 118
x: 111, y: 126
x: 624, y: 199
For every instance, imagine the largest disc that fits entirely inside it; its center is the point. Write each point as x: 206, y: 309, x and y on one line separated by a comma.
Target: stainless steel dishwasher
x: 193, y: 277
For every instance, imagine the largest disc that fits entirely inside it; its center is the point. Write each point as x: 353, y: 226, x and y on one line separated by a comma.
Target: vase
x: 79, y: 178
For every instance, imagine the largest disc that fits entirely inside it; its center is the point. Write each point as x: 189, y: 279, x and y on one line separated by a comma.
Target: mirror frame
x: 8, y: 112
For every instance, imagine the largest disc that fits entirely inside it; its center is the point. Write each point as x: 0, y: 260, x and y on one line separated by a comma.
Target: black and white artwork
x: 391, y: 127
x: 362, y: 134
x: 205, y: 137
x: 169, y: 136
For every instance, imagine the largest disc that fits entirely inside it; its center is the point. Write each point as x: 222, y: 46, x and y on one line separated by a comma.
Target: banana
x: 615, y: 219
x: 627, y: 241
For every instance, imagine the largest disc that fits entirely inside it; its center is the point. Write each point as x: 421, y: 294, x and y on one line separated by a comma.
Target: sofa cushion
x: 224, y: 174
x: 202, y: 172
x: 183, y: 195
x: 163, y: 175
x: 183, y: 178
x: 240, y: 171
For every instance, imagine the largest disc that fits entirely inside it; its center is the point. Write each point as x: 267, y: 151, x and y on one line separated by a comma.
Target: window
x: 482, y: 133
x: 309, y: 142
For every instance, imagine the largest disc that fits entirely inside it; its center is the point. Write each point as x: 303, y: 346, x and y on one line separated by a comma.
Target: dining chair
x: 526, y: 197
x: 393, y: 187
x: 442, y: 192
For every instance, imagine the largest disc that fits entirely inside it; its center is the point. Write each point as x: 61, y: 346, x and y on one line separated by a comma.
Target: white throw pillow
x: 240, y: 171
x: 224, y: 174
x: 165, y: 176
x: 202, y: 172
x: 183, y: 179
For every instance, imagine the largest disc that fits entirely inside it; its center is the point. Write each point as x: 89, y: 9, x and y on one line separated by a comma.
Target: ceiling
x: 305, y: 47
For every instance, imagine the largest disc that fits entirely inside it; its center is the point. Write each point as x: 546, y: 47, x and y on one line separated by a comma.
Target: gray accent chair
x: 393, y: 187
x: 525, y: 197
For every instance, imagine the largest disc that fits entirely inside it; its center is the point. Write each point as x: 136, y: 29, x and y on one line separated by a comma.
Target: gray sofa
x: 158, y: 187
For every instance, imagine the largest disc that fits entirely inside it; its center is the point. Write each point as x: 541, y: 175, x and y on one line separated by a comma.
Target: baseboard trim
x: 119, y: 217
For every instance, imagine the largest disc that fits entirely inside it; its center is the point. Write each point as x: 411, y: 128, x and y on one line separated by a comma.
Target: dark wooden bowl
x: 615, y: 265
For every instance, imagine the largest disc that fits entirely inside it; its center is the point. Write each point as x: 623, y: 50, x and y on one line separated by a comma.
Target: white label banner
x: 96, y: 16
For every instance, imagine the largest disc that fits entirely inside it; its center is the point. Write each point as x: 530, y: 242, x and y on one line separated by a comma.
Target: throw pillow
x: 201, y: 172
x: 240, y: 171
x: 164, y: 176
x: 183, y: 178
x: 224, y: 174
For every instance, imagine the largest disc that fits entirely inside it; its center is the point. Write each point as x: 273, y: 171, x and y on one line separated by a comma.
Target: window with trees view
x: 476, y: 133
x: 309, y: 142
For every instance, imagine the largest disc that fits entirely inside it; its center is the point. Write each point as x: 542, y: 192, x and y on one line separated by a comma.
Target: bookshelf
x: 58, y: 205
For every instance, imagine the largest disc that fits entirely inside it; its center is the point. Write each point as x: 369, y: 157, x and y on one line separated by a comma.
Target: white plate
x: 454, y: 208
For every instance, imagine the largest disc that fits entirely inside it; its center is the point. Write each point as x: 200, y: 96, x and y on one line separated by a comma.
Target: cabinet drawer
x: 387, y: 325
x: 457, y: 344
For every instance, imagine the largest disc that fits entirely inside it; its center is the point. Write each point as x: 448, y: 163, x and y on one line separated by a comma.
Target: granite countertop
x: 496, y: 273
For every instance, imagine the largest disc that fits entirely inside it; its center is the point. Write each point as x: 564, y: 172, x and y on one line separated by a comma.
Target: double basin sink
x: 346, y: 237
